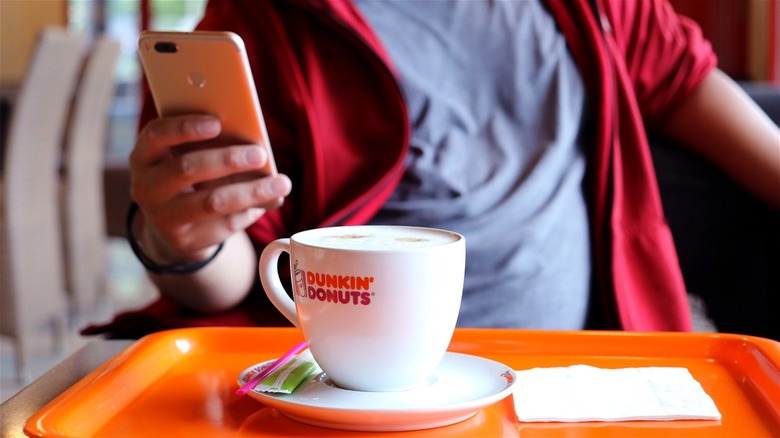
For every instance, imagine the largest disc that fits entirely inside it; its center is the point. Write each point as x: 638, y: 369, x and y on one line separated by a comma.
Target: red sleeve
x: 666, y: 54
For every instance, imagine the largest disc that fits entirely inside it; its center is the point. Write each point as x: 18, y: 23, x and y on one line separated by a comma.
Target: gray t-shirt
x: 496, y: 106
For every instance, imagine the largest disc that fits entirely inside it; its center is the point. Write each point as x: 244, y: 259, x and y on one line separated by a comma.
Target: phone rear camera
x: 165, y: 47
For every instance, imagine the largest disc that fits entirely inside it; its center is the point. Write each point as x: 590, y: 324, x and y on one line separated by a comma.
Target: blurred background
x: 21, y: 22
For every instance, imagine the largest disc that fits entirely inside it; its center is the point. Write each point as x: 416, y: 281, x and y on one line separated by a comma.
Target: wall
x: 20, y: 22
x: 743, y: 33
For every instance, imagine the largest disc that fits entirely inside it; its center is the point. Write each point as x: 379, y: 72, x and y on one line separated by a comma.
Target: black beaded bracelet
x: 149, y: 264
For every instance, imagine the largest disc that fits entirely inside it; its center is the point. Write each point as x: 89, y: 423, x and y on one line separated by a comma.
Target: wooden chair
x: 83, y: 209
x: 31, y: 267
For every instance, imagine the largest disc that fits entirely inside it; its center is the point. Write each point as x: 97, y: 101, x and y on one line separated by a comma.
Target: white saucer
x: 460, y: 386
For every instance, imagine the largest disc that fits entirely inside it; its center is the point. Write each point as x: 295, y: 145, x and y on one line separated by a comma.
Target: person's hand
x: 192, y: 193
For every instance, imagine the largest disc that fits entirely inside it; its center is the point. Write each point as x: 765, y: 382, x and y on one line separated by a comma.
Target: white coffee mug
x: 377, y: 304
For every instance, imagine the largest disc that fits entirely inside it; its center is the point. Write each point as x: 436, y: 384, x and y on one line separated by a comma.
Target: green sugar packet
x: 296, y: 371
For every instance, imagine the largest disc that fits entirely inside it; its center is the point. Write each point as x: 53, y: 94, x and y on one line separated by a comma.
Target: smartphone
x: 204, y: 72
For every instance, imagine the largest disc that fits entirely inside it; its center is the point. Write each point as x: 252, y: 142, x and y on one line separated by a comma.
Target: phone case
x: 205, y: 73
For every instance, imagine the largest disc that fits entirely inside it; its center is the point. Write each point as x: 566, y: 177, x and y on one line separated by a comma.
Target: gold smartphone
x: 205, y: 72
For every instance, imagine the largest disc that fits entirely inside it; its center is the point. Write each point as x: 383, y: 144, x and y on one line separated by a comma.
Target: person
x: 520, y: 124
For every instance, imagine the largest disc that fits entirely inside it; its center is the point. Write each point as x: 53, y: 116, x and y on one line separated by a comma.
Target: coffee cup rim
x: 458, y: 238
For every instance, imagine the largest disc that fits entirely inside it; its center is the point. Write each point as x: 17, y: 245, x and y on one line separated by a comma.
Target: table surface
x: 17, y: 409
x: 739, y: 372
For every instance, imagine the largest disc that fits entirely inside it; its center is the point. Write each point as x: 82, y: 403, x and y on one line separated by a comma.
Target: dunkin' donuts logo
x: 333, y: 288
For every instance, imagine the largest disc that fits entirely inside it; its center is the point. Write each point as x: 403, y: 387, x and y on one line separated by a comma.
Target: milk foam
x: 372, y: 238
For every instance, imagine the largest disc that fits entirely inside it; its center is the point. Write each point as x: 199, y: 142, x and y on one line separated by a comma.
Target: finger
x: 206, y: 205
x: 218, y: 166
x: 201, y: 236
x: 158, y: 136
x: 172, y: 219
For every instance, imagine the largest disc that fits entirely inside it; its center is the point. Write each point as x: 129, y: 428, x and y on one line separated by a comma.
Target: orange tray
x: 183, y: 382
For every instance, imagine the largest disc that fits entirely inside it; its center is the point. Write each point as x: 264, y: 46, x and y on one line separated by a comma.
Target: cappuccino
x: 377, y: 238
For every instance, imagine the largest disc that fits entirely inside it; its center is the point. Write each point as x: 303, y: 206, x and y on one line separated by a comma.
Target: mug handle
x: 269, y: 277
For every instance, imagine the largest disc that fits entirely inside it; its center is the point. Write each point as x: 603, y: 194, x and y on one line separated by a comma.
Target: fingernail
x: 254, y: 156
x: 209, y: 126
x: 280, y: 186
x: 256, y: 213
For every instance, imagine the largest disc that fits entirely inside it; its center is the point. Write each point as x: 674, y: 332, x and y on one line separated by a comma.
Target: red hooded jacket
x: 339, y: 128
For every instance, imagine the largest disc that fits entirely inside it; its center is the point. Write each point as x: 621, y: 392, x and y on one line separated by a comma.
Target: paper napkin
x: 586, y: 393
